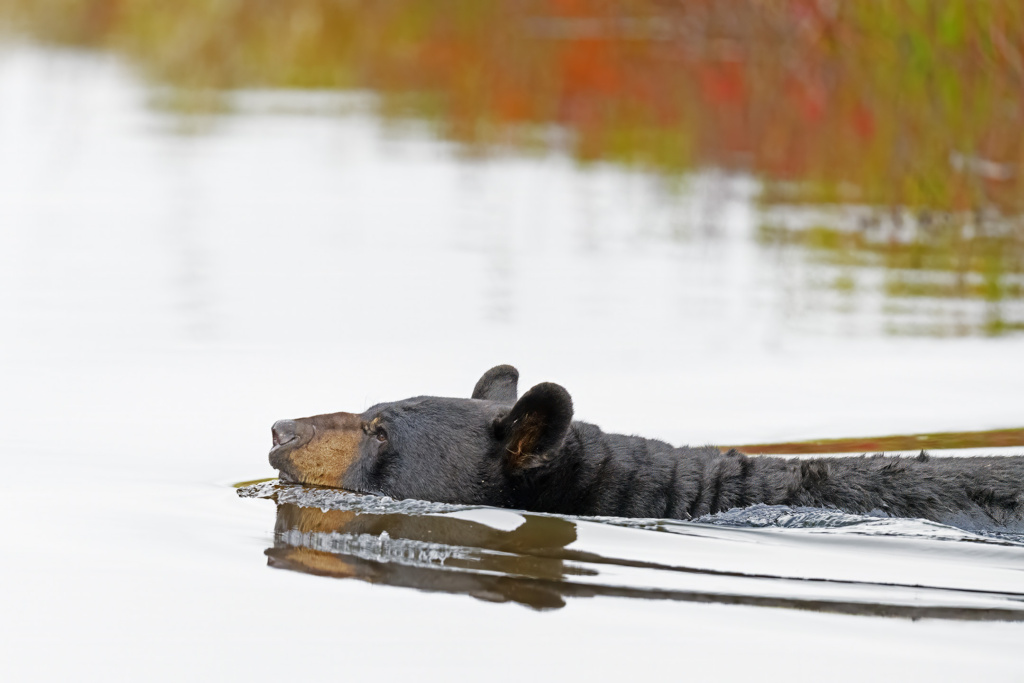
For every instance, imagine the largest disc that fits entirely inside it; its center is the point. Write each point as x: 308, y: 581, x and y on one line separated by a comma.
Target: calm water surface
x: 825, y: 561
x: 170, y: 287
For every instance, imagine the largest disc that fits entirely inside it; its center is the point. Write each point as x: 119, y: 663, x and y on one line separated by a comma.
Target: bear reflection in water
x: 433, y: 553
x: 537, y: 560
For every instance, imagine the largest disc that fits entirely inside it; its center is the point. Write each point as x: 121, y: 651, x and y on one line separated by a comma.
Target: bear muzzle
x: 288, y: 436
x: 283, y: 432
x: 316, y: 450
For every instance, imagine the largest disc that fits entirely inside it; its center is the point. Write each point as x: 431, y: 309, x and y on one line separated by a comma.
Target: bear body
x: 611, y: 474
x: 527, y: 453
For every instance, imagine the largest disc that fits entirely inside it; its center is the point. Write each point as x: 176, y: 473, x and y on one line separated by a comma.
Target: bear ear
x: 535, y: 428
x: 500, y: 384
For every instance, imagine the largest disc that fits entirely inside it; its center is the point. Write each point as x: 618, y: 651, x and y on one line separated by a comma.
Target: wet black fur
x: 529, y: 454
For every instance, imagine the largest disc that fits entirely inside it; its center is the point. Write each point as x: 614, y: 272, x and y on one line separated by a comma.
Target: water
x: 167, y: 291
x: 825, y: 561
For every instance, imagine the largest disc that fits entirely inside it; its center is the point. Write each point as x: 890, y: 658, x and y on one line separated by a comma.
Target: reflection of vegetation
x: 933, y: 256
x: 878, y: 444
x: 911, y: 105
x: 908, y: 103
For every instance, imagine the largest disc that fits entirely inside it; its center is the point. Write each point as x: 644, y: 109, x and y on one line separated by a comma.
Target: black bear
x: 528, y: 453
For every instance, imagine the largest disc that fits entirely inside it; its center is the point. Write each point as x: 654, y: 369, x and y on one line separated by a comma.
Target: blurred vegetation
x: 997, y: 438
x: 911, y: 108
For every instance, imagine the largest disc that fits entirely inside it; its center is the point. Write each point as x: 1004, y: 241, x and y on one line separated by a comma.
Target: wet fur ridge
x: 628, y: 476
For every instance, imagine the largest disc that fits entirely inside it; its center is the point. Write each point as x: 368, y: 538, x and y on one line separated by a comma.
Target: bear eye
x: 380, y: 434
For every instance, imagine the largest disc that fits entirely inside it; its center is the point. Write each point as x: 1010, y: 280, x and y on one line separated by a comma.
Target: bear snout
x: 316, y: 450
x: 288, y: 435
x: 283, y: 431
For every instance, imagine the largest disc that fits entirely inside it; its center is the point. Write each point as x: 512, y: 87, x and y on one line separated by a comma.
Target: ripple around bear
x: 527, y: 452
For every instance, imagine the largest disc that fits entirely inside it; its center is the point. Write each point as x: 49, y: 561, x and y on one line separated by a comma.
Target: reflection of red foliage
x: 590, y: 65
x: 782, y: 89
x: 799, y: 89
x: 810, y: 98
x: 722, y: 83
x: 512, y: 104
x: 577, y: 8
x: 863, y: 121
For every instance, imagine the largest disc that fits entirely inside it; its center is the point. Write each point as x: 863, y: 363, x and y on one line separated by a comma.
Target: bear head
x: 441, y: 449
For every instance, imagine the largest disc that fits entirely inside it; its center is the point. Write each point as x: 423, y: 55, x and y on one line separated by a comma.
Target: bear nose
x: 283, y: 431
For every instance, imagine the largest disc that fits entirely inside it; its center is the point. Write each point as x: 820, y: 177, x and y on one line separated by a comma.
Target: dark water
x: 763, y: 556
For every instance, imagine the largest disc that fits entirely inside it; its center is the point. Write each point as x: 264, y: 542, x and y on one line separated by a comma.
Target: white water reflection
x: 165, y: 297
